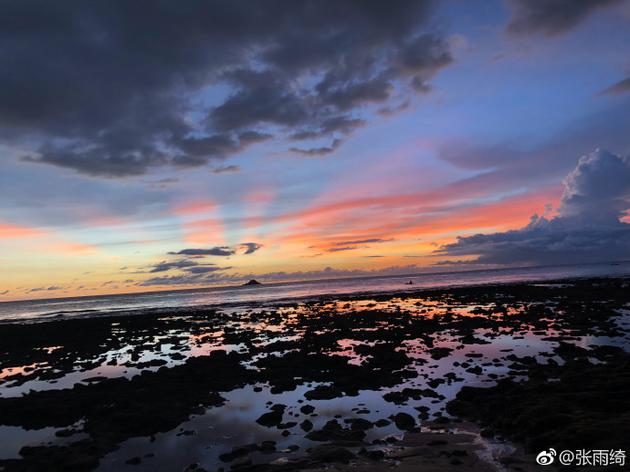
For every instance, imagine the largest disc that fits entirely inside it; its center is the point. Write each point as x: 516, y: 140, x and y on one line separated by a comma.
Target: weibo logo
x: 546, y: 457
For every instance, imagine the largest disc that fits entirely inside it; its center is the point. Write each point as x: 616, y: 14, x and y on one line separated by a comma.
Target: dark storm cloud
x: 587, y: 228
x: 261, y: 98
x: 348, y: 96
x: 623, y: 86
x: 116, y: 88
x: 422, y: 58
x: 552, y: 17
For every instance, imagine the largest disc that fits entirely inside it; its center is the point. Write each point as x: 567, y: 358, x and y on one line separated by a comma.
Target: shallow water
x: 204, y: 437
x: 272, y: 293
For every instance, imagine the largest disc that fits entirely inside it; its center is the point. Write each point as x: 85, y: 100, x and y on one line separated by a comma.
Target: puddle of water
x: 205, y: 437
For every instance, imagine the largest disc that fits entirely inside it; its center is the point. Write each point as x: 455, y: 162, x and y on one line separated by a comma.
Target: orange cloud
x: 205, y: 231
x: 195, y: 207
x: 10, y: 231
x: 44, y: 239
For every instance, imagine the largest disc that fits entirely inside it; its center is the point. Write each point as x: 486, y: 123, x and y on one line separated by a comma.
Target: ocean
x: 42, y: 310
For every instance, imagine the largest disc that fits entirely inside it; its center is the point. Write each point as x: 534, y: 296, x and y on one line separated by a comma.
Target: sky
x: 160, y: 145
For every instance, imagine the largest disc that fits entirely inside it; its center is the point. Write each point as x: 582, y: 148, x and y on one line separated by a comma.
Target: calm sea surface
x: 233, y: 296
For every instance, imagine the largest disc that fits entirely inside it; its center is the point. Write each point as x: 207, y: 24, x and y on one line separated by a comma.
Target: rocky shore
x: 478, y: 378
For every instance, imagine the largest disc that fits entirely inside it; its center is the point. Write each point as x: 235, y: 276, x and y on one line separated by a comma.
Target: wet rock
x: 402, y: 396
x: 195, y: 467
x: 237, y: 452
x: 437, y: 442
x: 330, y: 453
x: 477, y: 370
x: 267, y: 447
x: 578, y: 407
x: 65, y: 433
x: 440, y: 352
x: 404, y: 421
x: 375, y: 455
x: 134, y: 461
x: 323, y: 392
x: 273, y: 417
x: 359, y: 424
x: 333, y: 431
x: 307, y: 409
x: 288, y: 425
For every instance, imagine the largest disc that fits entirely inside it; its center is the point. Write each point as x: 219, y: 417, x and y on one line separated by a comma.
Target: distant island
x: 252, y: 282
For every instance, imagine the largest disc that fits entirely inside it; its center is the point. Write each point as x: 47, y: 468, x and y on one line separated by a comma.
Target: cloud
x: 188, y: 269
x: 226, y: 169
x: 362, y: 241
x: 162, y: 183
x: 507, y: 165
x: 248, y: 248
x: 205, y: 269
x: 623, y: 86
x: 218, y: 276
x: 214, y: 251
x: 587, y: 228
x: 182, y: 279
x: 47, y: 289
x: 552, y: 17
x: 341, y: 123
x: 331, y: 272
x: 345, y: 248
x: 318, y: 151
x: 598, y: 189
x: 355, y: 244
x: 169, y: 265
x: 113, y: 88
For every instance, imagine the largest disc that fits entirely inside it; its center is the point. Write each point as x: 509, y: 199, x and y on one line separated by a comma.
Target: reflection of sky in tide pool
x: 204, y: 437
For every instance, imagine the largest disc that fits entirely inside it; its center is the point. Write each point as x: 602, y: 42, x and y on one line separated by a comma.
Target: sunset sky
x: 160, y: 145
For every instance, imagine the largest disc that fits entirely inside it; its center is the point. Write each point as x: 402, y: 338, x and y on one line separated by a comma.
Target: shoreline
x: 347, y: 296
x: 339, y: 382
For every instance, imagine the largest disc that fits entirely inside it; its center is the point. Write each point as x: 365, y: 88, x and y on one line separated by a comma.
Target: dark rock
x: 323, y: 392
x: 307, y: 409
x: 404, y: 421
x: 330, y: 453
x: 333, y: 431
x: 252, y: 282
